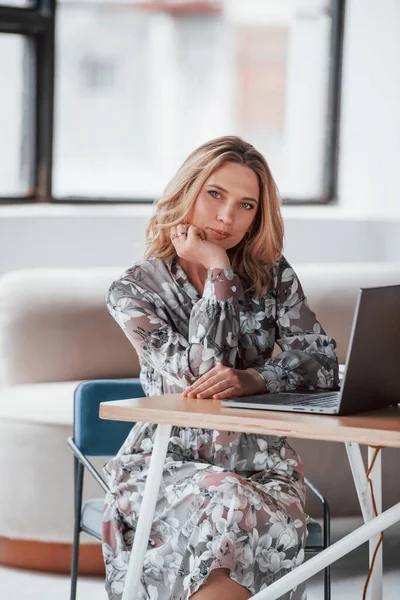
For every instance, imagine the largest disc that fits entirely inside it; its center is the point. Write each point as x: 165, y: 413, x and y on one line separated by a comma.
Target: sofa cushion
x: 36, y: 493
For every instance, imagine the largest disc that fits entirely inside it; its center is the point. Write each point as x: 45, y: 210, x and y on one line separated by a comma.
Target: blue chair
x: 93, y: 436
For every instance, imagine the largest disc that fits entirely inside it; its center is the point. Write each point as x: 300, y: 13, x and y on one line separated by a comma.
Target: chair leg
x: 327, y: 583
x: 327, y: 542
x: 78, y: 487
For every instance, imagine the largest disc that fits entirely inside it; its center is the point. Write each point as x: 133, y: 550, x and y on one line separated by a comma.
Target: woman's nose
x: 225, y: 214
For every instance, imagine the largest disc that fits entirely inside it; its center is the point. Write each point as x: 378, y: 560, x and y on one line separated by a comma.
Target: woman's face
x: 227, y: 204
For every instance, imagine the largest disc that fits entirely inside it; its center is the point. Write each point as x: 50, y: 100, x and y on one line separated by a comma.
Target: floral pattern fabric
x: 227, y: 499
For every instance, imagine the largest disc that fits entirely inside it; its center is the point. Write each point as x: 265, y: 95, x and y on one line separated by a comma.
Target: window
x: 16, y: 115
x: 138, y: 84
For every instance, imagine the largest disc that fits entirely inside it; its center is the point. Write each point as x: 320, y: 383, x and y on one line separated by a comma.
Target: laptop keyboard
x: 304, y: 399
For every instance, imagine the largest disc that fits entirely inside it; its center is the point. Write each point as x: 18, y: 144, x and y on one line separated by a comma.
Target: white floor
x: 348, y: 575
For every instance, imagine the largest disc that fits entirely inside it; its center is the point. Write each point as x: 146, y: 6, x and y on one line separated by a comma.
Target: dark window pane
x: 16, y: 115
x: 137, y: 90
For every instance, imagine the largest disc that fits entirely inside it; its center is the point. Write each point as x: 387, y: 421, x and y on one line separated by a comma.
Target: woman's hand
x: 190, y: 243
x: 225, y: 382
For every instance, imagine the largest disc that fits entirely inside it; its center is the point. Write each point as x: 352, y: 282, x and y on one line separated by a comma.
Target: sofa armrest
x: 55, y: 326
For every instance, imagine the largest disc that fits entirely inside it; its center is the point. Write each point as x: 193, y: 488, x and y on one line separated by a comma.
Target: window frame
x: 38, y: 23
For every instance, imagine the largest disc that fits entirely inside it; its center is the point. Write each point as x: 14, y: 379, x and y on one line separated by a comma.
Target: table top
x: 375, y: 428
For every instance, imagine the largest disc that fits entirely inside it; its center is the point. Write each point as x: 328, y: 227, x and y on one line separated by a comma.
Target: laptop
x: 372, y: 375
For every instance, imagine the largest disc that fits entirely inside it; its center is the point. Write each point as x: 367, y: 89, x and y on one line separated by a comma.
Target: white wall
x: 364, y: 226
x: 370, y: 133
x: 115, y: 236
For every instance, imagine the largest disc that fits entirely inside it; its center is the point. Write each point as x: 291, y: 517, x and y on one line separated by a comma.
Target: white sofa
x: 56, y: 331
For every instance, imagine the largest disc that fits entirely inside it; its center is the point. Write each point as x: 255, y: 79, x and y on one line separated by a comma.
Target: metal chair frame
x: 326, y: 536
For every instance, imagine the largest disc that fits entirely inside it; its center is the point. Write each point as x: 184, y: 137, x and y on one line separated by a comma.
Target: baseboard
x: 50, y: 557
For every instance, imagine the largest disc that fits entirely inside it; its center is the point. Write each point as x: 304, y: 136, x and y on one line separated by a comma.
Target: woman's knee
x: 219, y: 586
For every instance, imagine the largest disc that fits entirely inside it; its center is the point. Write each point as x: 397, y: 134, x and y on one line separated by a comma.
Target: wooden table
x: 377, y: 428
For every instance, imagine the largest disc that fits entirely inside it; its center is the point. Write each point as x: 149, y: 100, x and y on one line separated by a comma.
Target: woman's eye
x: 214, y: 194
x: 248, y: 205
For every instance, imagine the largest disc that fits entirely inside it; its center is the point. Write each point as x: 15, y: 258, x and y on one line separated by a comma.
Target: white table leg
x: 330, y: 555
x: 360, y: 480
x: 375, y: 589
x: 141, y: 539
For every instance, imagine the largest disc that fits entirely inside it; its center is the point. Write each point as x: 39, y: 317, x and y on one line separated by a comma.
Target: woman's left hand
x: 225, y: 382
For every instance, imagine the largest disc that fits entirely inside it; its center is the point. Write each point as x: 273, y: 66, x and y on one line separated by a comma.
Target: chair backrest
x: 95, y: 436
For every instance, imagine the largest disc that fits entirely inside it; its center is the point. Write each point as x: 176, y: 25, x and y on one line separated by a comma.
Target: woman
x: 203, y: 311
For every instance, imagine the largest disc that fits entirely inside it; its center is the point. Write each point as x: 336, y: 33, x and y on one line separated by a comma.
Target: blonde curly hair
x: 254, y: 255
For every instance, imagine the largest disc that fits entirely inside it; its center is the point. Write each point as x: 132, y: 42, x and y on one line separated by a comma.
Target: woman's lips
x: 218, y: 234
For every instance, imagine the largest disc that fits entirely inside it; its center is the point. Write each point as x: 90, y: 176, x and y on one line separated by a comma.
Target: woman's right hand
x: 190, y: 243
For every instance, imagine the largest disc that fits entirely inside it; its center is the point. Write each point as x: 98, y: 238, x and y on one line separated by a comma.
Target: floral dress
x: 227, y: 499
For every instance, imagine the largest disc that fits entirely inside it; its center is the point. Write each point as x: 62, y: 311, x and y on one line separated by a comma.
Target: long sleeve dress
x: 227, y: 499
